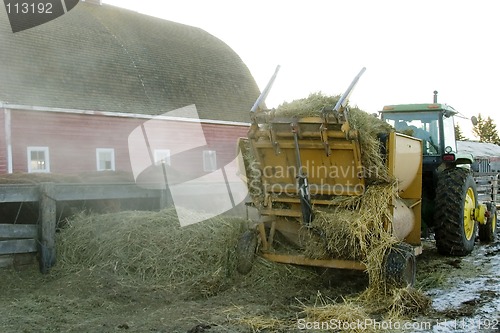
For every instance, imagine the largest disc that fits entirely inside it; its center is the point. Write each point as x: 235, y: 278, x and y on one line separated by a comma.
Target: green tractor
x: 449, y: 196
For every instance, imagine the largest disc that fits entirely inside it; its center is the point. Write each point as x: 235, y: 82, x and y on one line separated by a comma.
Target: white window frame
x: 98, y: 151
x: 45, y: 150
x: 162, y: 155
x: 209, y: 160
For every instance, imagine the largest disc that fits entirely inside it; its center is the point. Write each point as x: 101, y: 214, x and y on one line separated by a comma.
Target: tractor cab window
x: 422, y: 125
x: 449, y: 133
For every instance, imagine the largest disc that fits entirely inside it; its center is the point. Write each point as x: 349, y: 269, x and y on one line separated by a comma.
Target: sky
x: 410, y: 48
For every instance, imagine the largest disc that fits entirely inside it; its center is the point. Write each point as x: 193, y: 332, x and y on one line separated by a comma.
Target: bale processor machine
x: 301, y: 164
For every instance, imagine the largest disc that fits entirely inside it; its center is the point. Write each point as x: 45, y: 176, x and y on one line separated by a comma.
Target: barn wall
x: 72, y: 139
x: 223, y: 138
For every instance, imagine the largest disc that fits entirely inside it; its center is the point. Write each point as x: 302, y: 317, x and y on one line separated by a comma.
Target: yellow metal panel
x: 405, y: 164
x: 302, y: 260
x: 339, y: 173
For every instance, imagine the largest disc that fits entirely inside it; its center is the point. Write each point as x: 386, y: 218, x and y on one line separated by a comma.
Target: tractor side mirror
x: 474, y: 120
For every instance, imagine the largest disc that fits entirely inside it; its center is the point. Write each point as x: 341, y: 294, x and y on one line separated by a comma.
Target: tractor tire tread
x: 245, y: 251
x: 449, y: 220
x: 400, y: 266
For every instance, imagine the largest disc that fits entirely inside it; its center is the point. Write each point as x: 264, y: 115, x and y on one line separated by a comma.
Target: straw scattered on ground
x: 151, y: 249
x: 338, y: 316
x: 407, y: 302
x: 356, y: 313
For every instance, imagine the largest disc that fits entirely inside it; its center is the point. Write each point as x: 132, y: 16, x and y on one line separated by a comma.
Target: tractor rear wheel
x: 488, y: 231
x: 456, y: 201
x: 400, y: 266
x: 245, y: 251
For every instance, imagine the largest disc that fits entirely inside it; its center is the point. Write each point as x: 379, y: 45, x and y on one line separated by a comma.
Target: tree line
x: 485, y: 130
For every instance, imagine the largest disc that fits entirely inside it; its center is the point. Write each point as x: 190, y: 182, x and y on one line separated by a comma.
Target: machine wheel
x: 400, y: 266
x: 488, y: 231
x: 456, y: 200
x: 245, y: 251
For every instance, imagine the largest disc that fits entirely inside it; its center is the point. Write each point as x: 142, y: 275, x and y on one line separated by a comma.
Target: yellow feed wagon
x: 299, y: 166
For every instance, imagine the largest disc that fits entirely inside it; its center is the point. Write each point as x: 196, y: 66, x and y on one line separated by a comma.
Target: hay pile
x: 150, y: 249
x: 354, y: 228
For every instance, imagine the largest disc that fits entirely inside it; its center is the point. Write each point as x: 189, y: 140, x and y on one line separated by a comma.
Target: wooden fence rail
x: 487, y: 187
x: 29, y: 238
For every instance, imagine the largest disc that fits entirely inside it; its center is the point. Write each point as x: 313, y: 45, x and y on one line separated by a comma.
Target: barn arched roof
x: 104, y: 58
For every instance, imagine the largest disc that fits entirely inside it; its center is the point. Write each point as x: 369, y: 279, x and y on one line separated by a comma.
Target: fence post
x: 494, y: 188
x: 47, y: 227
x: 166, y: 198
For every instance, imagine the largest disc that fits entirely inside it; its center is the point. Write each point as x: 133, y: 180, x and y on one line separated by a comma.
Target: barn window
x: 105, y: 159
x: 38, y: 159
x: 162, y: 156
x: 209, y: 160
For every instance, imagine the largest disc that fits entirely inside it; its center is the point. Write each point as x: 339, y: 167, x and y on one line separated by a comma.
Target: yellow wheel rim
x: 469, y: 206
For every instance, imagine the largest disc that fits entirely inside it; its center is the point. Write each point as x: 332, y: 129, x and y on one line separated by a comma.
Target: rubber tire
x: 452, y: 187
x: 487, y: 232
x: 245, y: 251
x: 400, y: 266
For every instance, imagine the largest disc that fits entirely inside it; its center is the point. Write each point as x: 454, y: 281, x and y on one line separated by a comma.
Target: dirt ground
x: 465, y: 296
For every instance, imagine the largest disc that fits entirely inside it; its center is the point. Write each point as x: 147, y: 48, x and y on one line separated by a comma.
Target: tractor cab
x: 434, y: 125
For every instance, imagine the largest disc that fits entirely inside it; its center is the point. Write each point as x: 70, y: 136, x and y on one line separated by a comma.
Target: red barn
x: 73, y: 90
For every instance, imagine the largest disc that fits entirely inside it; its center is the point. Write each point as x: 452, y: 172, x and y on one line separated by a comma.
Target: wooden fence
x: 487, y: 187
x: 40, y: 237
